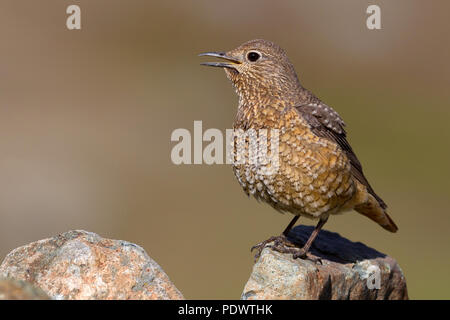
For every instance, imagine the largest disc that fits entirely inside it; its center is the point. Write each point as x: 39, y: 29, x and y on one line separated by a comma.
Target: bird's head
x: 257, y: 65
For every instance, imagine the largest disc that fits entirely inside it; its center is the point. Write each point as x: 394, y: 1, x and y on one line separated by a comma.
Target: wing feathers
x: 326, y: 123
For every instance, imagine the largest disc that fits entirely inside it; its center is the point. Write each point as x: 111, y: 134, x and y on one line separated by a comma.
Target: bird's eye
x: 253, y: 56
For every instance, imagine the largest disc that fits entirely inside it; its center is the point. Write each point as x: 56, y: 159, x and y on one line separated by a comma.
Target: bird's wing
x: 326, y: 123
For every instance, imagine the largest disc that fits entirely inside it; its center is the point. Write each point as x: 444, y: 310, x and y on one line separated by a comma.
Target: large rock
x: 82, y: 265
x: 337, y: 269
x: 20, y: 290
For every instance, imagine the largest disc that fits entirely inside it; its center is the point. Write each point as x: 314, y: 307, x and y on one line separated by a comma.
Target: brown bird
x: 318, y: 174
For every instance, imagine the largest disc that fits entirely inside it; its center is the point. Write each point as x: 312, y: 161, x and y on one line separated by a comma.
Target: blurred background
x: 86, y: 118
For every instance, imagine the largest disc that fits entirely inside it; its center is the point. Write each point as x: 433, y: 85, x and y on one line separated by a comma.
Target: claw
x: 260, y: 246
x: 280, y: 244
x: 283, y: 245
x: 301, y: 253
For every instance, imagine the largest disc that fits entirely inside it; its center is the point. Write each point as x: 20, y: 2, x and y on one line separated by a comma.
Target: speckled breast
x: 298, y: 172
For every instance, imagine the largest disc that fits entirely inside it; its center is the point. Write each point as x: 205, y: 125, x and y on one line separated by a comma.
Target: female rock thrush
x: 318, y: 173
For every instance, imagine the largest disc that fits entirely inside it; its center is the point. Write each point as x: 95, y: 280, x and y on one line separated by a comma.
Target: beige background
x: 86, y: 118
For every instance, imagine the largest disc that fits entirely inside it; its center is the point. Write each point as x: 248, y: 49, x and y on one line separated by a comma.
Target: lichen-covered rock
x: 336, y: 269
x: 11, y: 289
x: 82, y: 265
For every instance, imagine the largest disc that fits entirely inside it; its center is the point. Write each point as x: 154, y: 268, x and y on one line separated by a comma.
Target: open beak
x: 229, y: 62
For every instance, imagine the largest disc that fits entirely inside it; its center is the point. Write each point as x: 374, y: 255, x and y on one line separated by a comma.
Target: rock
x: 20, y: 290
x: 82, y: 265
x: 337, y: 269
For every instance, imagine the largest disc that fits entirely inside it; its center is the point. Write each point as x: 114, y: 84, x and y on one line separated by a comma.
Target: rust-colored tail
x: 372, y: 210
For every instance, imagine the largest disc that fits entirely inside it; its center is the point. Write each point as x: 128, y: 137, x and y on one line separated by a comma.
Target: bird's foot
x: 280, y: 243
x: 296, y: 252
x: 283, y: 245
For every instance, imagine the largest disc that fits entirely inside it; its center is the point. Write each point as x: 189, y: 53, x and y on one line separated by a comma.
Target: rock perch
x: 20, y: 290
x: 343, y: 270
x: 82, y: 265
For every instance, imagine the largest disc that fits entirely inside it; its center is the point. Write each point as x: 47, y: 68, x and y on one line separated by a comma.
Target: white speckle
x: 259, y: 186
x: 340, y: 190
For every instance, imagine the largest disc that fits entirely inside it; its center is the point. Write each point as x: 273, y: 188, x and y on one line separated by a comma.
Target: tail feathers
x: 372, y: 210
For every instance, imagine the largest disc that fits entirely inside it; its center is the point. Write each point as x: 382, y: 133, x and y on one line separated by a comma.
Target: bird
x: 318, y: 174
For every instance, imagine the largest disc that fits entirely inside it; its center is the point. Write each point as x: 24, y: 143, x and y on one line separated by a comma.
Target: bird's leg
x: 300, y: 253
x: 279, y: 241
x: 303, y: 251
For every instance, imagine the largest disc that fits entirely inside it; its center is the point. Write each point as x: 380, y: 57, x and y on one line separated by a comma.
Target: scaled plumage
x: 319, y: 174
